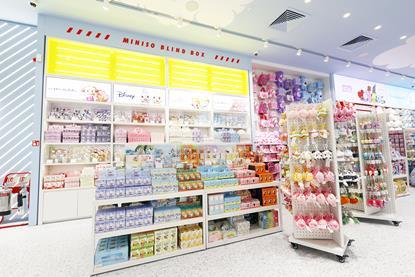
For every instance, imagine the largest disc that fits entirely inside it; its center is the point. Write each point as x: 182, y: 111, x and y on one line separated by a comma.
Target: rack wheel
x: 294, y: 245
x: 396, y: 223
x: 342, y: 259
x: 349, y: 243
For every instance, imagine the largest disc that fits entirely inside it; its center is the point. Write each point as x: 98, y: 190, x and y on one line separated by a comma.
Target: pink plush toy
x: 332, y: 223
x: 263, y: 79
x: 321, y: 222
x: 299, y: 221
x: 311, y: 223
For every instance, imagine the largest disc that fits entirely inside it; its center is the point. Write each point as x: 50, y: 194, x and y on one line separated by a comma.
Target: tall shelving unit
x: 399, y: 161
x: 323, y: 239
x: 378, y: 188
x: 410, y: 150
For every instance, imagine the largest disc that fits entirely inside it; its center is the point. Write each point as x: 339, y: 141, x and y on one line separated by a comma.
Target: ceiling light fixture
x: 179, y: 22
x: 370, y: 69
x: 105, y: 5
x: 387, y: 74
x: 266, y: 44
x: 307, y: 1
x: 402, y: 77
x: 347, y: 15
x: 377, y: 27
x: 326, y: 59
x: 403, y: 37
x: 218, y: 32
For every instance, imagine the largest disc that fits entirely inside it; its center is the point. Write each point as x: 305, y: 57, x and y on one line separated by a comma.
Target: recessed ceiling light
x: 218, y: 32
x: 105, y: 8
x: 346, y: 15
x: 387, y: 74
x: 326, y: 59
x: 371, y: 69
x: 266, y: 44
x: 402, y: 77
x: 403, y: 37
x: 299, y: 52
x: 179, y: 22
x: 377, y: 27
x: 307, y: 1
x: 348, y: 64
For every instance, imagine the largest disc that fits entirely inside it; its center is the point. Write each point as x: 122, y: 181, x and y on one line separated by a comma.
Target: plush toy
x: 287, y: 84
x: 279, y: 78
x: 297, y: 93
x: 360, y: 94
x: 374, y: 95
x: 263, y: 79
x: 281, y: 104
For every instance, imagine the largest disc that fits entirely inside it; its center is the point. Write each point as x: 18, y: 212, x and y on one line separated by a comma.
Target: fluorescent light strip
x: 12, y: 139
x: 13, y: 124
x: 16, y: 144
x: 61, y: 56
x: 184, y: 74
x: 77, y: 73
x: 138, y: 73
x: 138, y: 67
x: 185, y: 80
x: 22, y: 150
x: 225, y: 80
x: 92, y: 52
x: 62, y: 63
x: 3, y: 25
x: 119, y: 57
x: 3, y: 116
x: 175, y: 67
x: 133, y: 80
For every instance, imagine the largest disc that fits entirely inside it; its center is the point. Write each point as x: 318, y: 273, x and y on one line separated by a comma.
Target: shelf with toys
x: 409, y: 134
x: 351, y: 194
x: 314, y: 179
x: 376, y: 168
x: 163, y: 197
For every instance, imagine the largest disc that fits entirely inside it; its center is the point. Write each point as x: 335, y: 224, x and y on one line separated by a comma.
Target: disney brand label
x: 124, y: 94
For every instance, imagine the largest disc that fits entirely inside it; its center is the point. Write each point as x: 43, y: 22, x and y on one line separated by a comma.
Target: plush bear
x: 263, y: 79
x: 297, y: 93
x: 279, y: 78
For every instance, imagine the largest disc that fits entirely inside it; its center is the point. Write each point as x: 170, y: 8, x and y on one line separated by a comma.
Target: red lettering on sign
x: 69, y: 29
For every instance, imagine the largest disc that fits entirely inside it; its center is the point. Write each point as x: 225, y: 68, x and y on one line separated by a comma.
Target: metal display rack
x: 323, y: 239
x: 203, y: 220
x: 373, y: 139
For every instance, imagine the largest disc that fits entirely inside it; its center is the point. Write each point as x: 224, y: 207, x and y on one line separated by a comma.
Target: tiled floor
x: 65, y: 249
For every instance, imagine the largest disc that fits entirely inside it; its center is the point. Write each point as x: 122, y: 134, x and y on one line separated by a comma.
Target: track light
x: 348, y: 64
x: 179, y: 22
x: 266, y: 44
x: 299, y: 52
x: 326, y: 59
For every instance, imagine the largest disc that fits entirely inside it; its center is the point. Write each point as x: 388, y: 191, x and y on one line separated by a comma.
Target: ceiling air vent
x: 356, y: 43
x: 288, y: 20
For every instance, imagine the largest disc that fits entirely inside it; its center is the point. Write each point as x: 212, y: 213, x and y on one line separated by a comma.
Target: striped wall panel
x: 17, y: 92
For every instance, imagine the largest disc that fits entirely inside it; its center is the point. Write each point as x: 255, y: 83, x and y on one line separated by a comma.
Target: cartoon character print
x: 95, y: 94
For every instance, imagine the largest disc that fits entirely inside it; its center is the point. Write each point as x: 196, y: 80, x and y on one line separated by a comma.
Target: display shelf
x: 242, y: 212
x: 242, y: 187
x: 68, y: 189
x: 73, y: 101
x: 402, y: 194
x: 138, y: 106
x: 149, y: 228
x: 190, y: 125
x: 130, y: 263
x: 78, y: 163
x: 400, y: 176
x: 151, y: 197
x: 134, y: 143
x: 381, y: 216
x: 229, y: 127
x: 76, y: 143
x: 175, y: 109
x: 139, y: 124
x: 253, y: 233
x: 77, y: 121
x: 230, y: 112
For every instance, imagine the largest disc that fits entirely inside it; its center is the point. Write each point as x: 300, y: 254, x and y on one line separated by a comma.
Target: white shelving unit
x: 165, y: 108
x: 255, y: 231
x: 321, y: 239
x: 388, y: 212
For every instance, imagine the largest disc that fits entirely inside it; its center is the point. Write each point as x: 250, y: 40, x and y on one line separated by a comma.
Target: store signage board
x: 371, y: 93
x: 89, y: 33
x: 230, y: 103
x: 59, y: 88
x: 124, y: 94
x: 190, y: 100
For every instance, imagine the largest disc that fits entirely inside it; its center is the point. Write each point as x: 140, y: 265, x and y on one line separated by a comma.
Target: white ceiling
x: 323, y: 31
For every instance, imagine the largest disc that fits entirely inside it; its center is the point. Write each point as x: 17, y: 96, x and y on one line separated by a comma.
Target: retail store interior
x: 207, y: 138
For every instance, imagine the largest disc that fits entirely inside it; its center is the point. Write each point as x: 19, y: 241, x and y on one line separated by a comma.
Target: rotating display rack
x: 314, y: 180
x: 410, y: 153
x: 376, y: 168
